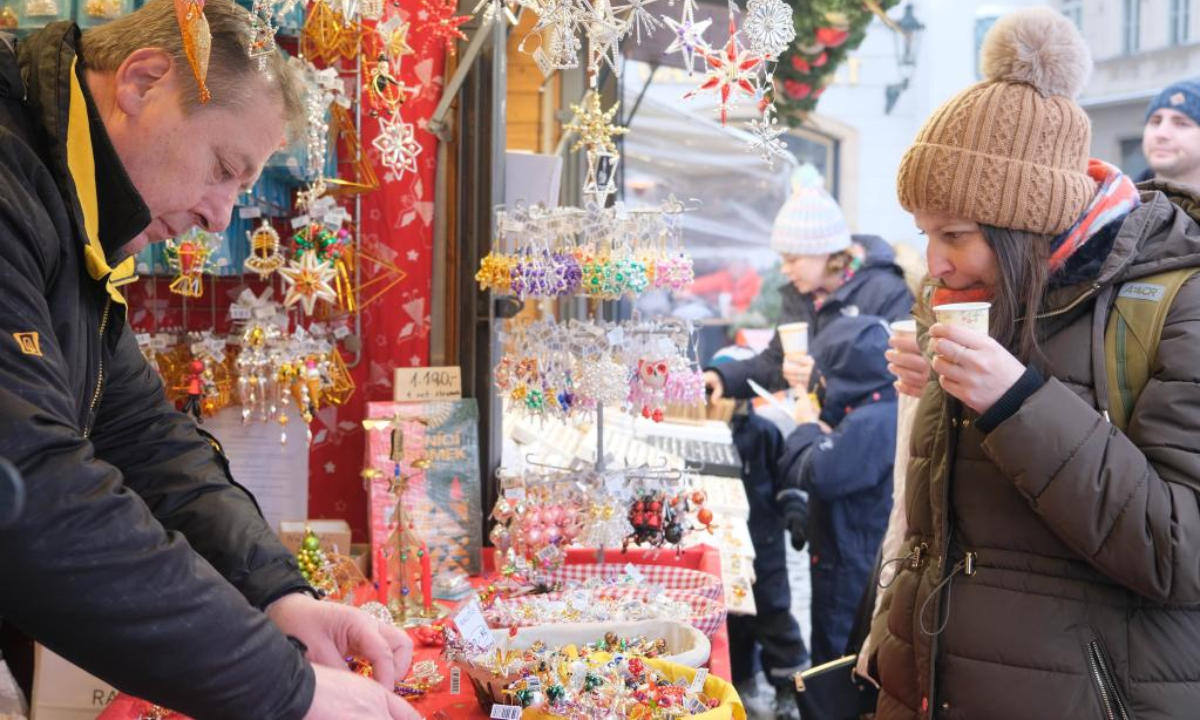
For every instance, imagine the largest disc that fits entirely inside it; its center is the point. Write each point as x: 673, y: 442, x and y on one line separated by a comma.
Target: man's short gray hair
x: 233, y: 76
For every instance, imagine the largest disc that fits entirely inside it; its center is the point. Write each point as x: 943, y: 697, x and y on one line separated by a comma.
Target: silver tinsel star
x: 397, y: 145
x: 689, y: 38
x: 640, y: 20
x: 765, y: 132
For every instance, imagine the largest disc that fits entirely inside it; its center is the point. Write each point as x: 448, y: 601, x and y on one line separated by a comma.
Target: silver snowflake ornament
x: 397, y: 145
x: 769, y: 27
x: 764, y: 138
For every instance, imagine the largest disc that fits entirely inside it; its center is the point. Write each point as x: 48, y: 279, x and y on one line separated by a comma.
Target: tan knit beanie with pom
x: 1011, y: 151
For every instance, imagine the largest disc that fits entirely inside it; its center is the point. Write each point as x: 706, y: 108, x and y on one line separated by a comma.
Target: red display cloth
x: 464, y: 706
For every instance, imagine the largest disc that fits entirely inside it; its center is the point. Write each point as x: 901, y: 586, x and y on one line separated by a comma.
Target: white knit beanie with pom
x: 1011, y: 151
x: 810, y: 222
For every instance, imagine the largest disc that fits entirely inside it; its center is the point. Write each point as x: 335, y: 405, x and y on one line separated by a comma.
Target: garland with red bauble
x: 826, y: 32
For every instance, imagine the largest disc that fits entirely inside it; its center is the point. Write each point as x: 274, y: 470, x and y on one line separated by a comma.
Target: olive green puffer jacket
x: 1054, y: 569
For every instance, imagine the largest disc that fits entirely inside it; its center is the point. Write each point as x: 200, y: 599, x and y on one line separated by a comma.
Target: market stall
x: 386, y: 339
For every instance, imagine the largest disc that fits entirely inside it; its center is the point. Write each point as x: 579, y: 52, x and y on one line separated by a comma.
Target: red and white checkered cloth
x: 668, y: 577
x: 707, y: 615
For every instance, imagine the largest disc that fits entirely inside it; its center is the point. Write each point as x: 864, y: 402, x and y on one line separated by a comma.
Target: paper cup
x: 794, y: 338
x: 904, y: 328
x: 969, y: 315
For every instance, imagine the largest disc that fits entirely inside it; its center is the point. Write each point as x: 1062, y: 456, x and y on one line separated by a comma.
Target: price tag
x: 264, y: 312
x: 506, y: 712
x: 239, y: 312
x: 455, y: 680
x: 342, y: 332
x: 432, y: 383
x: 694, y: 706
x: 300, y: 221
x: 516, y: 493
x: 250, y: 211
x: 634, y: 574
x: 698, y: 681
x: 143, y: 339
x: 160, y: 342
x: 474, y: 628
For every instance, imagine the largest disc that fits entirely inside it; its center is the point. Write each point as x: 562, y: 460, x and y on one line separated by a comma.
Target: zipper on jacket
x: 91, y: 416
x: 1071, y: 305
x: 943, y: 587
x: 1110, y: 700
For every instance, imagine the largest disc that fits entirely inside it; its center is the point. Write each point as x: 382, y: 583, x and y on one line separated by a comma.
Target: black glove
x: 796, y: 526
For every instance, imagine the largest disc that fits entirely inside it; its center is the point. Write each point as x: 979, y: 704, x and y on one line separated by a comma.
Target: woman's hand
x: 906, y: 362
x: 797, y: 371
x: 972, y: 366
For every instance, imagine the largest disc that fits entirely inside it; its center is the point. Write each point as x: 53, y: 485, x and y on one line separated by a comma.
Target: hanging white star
x: 308, y: 281
x: 397, y: 145
x: 689, y: 38
x: 765, y: 132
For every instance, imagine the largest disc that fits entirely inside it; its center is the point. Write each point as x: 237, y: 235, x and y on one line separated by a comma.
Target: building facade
x: 1139, y: 47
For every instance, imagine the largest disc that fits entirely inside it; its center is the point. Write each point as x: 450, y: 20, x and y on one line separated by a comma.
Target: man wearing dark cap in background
x: 1171, y: 139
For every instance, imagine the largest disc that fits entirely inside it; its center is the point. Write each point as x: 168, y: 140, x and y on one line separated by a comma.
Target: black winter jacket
x: 137, y: 557
x: 878, y: 288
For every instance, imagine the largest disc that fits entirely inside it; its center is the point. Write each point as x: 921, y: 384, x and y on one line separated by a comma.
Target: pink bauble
x: 534, y: 535
x: 553, y: 515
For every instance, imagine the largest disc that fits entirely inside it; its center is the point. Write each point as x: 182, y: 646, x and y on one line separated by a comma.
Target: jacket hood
x: 850, y: 355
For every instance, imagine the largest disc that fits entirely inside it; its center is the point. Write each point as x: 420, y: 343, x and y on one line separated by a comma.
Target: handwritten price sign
x: 434, y: 383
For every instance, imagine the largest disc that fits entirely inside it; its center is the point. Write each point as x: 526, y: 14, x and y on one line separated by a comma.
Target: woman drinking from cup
x: 1051, y: 566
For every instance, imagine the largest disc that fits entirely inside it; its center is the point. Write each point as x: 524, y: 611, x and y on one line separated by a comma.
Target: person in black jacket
x: 832, y: 274
x: 841, y: 461
x: 137, y: 556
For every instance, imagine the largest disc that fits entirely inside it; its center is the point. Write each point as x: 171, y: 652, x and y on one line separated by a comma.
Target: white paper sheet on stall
x: 277, y: 474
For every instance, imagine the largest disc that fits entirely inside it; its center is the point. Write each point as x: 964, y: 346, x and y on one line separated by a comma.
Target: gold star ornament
x: 595, y: 126
x: 308, y: 281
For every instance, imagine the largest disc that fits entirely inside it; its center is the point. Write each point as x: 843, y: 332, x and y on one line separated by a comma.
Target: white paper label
x: 455, y: 680
x: 698, y: 681
x: 239, y: 312
x: 300, y: 221
x: 517, y: 493
x: 474, y: 627
x: 251, y: 211
x: 341, y: 333
x: 634, y: 574
x: 506, y: 712
x: 143, y: 339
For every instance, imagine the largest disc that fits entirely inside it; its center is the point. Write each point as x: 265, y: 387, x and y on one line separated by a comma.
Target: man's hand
x: 332, y: 632
x: 906, y: 362
x: 341, y: 694
x: 797, y: 370
x: 712, y: 381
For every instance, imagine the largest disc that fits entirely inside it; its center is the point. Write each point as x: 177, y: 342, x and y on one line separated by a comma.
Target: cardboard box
x: 62, y: 691
x: 334, y: 534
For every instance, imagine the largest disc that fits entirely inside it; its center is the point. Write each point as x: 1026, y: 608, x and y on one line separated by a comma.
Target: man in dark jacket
x: 843, y: 461
x: 137, y: 556
x: 876, y: 287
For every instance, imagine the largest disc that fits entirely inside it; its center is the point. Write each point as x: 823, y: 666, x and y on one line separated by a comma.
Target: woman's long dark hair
x: 1024, y: 272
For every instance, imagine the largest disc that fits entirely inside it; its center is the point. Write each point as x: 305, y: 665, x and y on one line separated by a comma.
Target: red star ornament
x: 733, y: 67
x: 442, y: 24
